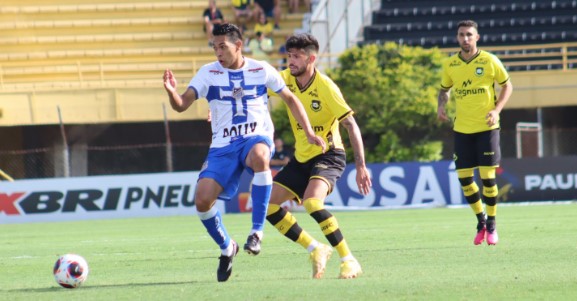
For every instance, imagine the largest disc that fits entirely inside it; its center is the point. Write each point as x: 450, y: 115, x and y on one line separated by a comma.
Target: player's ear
x: 313, y: 57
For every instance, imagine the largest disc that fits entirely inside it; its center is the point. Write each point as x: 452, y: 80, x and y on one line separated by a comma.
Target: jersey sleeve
x: 446, y: 80
x: 274, y: 81
x: 336, y: 101
x: 501, y: 74
x: 199, y: 82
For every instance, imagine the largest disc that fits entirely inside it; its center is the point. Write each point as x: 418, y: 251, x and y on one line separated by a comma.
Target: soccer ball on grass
x: 70, y: 270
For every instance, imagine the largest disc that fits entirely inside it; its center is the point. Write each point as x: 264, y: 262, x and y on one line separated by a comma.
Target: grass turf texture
x: 406, y: 255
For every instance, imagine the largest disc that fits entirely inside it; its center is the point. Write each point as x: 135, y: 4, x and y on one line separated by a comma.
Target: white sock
x: 229, y: 251
x: 314, y: 244
x: 259, y: 233
x: 347, y: 258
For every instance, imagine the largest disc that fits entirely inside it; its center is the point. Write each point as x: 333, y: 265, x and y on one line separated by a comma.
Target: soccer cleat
x: 492, y: 236
x: 225, y: 264
x: 252, y: 245
x: 481, y: 232
x: 350, y: 269
x: 319, y: 257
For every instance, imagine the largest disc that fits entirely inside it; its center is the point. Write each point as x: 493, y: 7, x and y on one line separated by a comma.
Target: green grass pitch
x: 424, y: 254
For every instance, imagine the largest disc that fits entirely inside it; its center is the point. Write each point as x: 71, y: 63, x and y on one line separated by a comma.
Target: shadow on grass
x: 92, y: 287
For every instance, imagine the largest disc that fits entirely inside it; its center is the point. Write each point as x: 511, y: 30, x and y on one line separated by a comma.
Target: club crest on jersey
x: 316, y: 105
x: 479, y: 71
x: 237, y: 92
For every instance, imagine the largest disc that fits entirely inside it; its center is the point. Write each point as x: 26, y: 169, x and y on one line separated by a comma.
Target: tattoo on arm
x: 443, y: 97
x: 355, y: 139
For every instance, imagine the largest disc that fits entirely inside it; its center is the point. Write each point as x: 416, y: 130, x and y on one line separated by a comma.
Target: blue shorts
x: 226, y: 164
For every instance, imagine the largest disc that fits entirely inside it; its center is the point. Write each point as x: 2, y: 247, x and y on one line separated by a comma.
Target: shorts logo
x: 455, y: 157
x: 489, y: 153
x: 322, y: 166
x: 316, y: 105
x: 479, y: 71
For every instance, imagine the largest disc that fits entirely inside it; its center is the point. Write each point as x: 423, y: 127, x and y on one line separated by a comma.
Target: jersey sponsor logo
x: 316, y: 105
x: 239, y: 130
x: 481, y: 61
x: 464, y: 91
x: 37, y: 202
x: 455, y: 63
x: 255, y: 70
x: 215, y: 72
x: 316, y: 128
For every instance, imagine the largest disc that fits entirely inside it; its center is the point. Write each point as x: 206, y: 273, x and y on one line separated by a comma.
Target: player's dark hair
x: 229, y: 30
x: 467, y: 23
x: 304, y: 41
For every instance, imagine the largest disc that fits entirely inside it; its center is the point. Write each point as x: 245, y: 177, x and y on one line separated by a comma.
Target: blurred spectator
x: 260, y: 47
x: 263, y: 25
x: 294, y: 6
x: 281, y: 155
x: 282, y: 62
x: 270, y: 8
x: 212, y: 15
x: 242, y: 13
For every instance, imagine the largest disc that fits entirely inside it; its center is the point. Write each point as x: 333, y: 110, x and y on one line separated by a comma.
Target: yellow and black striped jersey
x: 325, y: 107
x: 473, y: 85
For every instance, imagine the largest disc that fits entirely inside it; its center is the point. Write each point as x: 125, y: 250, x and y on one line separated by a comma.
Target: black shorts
x: 328, y: 167
x: 477, y: 149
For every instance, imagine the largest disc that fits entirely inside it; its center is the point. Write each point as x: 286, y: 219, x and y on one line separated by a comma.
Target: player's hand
x: 316, y: 140
x: 442, y: 114
x: 363, y: 180
x: 169, y: 81
x: 492, y: 118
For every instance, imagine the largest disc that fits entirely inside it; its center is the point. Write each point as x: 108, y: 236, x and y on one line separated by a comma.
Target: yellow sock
x: 491, y: 210
x: 477, y: 207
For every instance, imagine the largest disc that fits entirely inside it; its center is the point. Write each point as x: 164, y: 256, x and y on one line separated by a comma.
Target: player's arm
x: 283, y: 161
x: 506, y: 91
x: 442, y: 100
x: 298, y: 111
x: 363, y: 178
x: 178, y: 102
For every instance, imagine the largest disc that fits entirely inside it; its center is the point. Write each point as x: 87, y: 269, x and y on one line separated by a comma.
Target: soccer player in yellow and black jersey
x: 311, y: 175
x: 471, y: 74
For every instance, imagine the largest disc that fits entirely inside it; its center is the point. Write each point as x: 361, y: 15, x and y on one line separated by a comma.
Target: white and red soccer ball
x: 70, y: 270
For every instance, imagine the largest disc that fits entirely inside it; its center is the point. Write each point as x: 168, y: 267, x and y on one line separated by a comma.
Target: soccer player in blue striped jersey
x: 242, y: 135
x: 471, y: 74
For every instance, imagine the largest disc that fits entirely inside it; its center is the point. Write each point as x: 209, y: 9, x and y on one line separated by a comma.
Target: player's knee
x: 466, y: 181
x: 313, y: 205
x: 489, y: 182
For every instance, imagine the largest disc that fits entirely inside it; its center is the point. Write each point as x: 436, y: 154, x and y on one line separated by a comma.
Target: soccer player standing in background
x: 471, y: 74
x: 242, y: 134
x: 311, y: 174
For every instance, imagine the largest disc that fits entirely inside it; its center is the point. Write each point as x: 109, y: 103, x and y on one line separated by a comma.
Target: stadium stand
x: 73, y: 44
x: 418, y: 23
x: 502, y: 23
